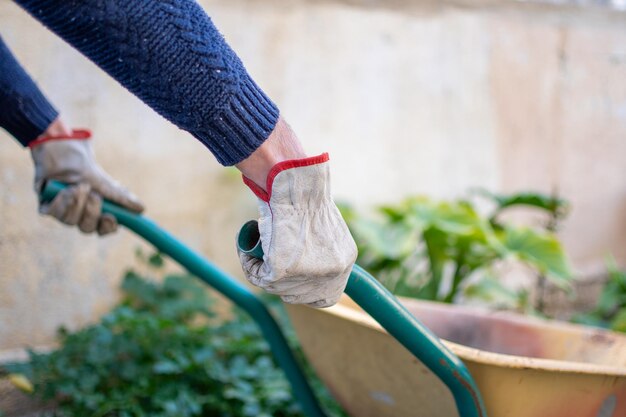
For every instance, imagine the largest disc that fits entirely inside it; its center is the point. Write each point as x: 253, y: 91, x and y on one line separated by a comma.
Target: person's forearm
x: 24, y: 110
x: 169, y: 54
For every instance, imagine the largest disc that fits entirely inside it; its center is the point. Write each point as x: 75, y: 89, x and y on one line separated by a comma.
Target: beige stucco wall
x: 411, y: 98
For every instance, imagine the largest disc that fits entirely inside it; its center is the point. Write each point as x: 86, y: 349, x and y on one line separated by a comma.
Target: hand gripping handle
x: 379, y: 303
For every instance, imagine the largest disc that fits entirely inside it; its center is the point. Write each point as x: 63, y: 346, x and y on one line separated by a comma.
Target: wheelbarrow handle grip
x: 379, y: 303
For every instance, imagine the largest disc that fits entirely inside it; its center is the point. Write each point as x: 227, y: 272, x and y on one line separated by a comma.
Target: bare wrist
x: 56, y: 128
x: 281, y: 145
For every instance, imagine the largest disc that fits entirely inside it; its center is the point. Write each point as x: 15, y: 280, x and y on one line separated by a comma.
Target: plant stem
x: 552, y: 225
x: 431, y: 289
x: 541, y: 293
x: 457, y: 278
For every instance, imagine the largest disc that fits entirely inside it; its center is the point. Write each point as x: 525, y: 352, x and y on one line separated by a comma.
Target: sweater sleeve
x: 170, y: 55
x: 24, y: 111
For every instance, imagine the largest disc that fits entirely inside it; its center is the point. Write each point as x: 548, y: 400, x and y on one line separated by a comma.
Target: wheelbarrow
x: 379, y: 359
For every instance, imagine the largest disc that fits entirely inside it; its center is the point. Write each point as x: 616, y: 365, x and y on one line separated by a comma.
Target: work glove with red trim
x: 70, y: 159
x: 308, y: 250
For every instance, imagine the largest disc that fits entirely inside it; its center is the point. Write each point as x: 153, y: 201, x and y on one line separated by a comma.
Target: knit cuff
x: 27, y: 117
x: 249, y: 119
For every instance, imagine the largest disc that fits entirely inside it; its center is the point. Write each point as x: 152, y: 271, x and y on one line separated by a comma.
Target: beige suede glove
x: 308, y: 250
x: 71, y: 160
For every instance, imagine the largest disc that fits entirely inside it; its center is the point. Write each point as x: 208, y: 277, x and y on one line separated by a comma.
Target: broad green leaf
x: 545, y: 202
x: 390, y: 241
x: 458, y: 219
x: 493, y: 291
x: 394, y: 213
x: 540, y: 250
x: 453, y: 218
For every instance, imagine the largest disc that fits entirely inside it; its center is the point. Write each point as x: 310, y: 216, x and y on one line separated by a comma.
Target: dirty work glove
x: 308, y: 250
x: 71, y: 160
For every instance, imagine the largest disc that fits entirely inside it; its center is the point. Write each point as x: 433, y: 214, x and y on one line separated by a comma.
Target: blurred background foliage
x: 444, y: 250
x: 453, y: 251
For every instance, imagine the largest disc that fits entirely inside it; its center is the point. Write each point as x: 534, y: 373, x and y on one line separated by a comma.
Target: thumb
x: 254, y: 269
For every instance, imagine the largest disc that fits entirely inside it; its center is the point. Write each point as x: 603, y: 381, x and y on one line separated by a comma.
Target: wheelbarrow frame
x: 364, y: 290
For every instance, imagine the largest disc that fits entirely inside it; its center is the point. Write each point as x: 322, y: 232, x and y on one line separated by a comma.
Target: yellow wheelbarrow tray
x: 523, y: 366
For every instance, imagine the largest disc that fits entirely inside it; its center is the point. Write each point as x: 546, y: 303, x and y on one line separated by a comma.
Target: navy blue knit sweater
x: 166, y: 52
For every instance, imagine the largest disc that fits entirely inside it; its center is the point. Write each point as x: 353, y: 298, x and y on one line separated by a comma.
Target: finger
x: 314, y: 293
x: 68, y: 205
x: 253, y: 269
x: 299, y: 298
x: 91, y: 213
x: 308, y: 300
x: 331, y: 294
x: 58, y: 206
x: 320, y: 304
x: 75, y: 211
x: 325, y: 303
x: 111, y: 190
x: 107, y: 224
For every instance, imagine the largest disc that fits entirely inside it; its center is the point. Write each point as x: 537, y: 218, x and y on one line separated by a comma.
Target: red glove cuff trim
x: 277, y: 169
x: 80, y: 134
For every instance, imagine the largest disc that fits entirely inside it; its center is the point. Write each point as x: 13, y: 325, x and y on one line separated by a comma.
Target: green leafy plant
x: 162, y: 352
x: 610, y: 310
x: 428, y: 249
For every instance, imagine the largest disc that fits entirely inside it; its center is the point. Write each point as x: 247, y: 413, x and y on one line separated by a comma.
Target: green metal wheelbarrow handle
x: 366, y: 291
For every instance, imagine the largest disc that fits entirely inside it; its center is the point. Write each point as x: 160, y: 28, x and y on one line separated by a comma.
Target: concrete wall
x: 408, y: 98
